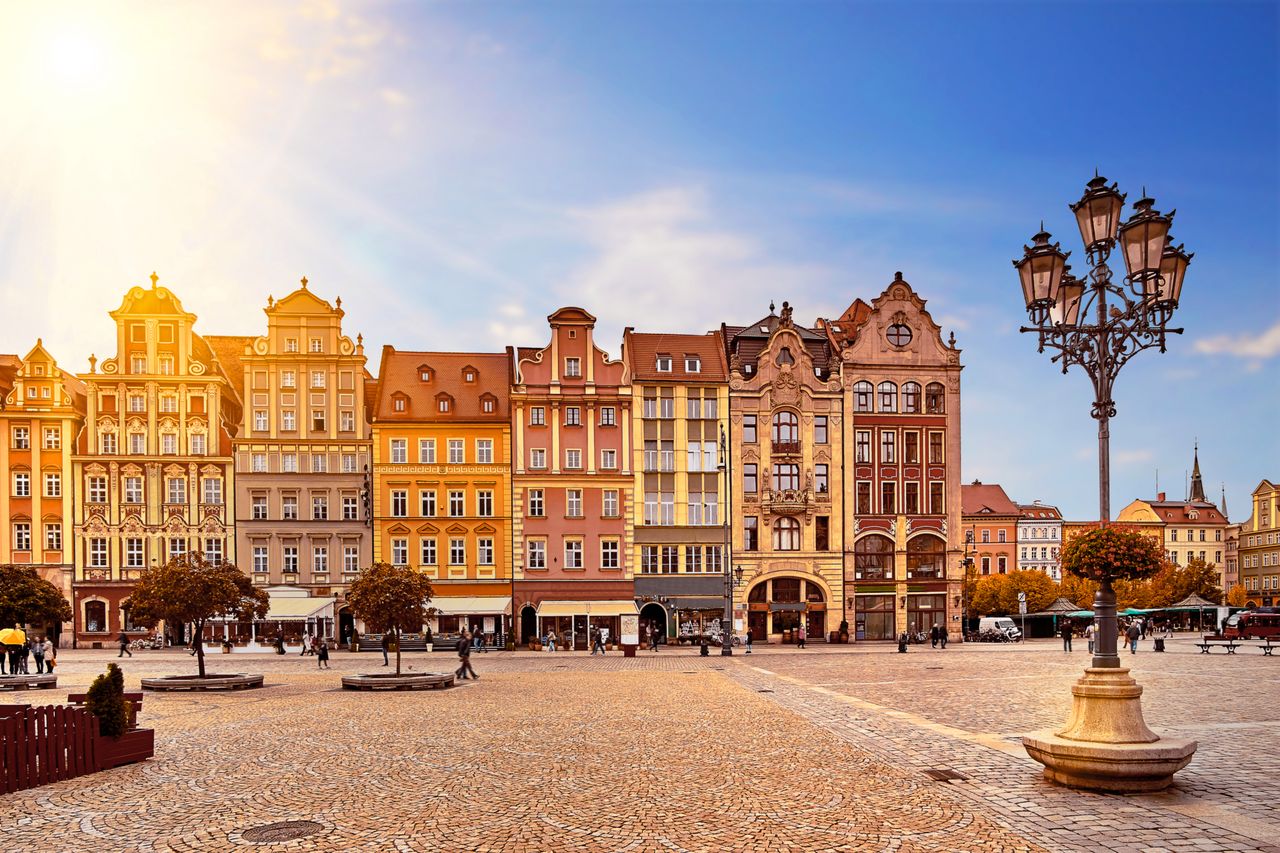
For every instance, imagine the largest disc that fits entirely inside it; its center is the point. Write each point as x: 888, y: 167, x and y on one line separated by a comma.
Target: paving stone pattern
x: 779, y: 751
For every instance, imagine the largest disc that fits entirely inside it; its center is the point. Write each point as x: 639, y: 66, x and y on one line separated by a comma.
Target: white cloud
x: 665, y: 259
x: 1264, y: 345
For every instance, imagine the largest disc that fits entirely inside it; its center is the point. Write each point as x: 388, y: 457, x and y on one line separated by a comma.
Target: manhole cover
x: 285, y: 830
x: 944, y: 774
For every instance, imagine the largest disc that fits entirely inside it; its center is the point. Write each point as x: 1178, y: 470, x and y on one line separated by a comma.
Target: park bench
x: 1229, y: 645
x: 1267, y: 646
x: 134, y: 699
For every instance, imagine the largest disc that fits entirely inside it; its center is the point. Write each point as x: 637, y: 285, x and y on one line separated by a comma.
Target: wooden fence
x: 46, y: 744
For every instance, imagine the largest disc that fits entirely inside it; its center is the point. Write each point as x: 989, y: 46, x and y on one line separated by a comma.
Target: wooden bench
x: 38, y: 681
x: 1229, y: 645
x: 1267, y: 646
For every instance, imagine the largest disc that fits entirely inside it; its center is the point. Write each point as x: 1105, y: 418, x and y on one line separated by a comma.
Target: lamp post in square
x: 1098, y: 324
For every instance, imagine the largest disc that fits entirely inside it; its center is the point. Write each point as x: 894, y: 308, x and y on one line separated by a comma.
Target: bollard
x: 902, y: 644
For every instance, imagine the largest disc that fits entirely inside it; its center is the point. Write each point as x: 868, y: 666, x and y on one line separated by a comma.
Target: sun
x: 75, y: 59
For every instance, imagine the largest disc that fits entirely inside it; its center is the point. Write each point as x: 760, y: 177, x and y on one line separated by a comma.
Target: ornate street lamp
x: 1098, y: 325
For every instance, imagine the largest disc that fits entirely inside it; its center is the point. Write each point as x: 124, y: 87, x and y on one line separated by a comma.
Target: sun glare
x: 76, y: 59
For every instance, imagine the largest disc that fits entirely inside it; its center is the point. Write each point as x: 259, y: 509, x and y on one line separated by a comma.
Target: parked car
x: 1003, y: 624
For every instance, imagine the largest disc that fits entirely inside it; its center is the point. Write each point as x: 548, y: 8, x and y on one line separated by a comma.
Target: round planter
x: 28, y: 682
x: 232, y: 681
x: 390, y: 681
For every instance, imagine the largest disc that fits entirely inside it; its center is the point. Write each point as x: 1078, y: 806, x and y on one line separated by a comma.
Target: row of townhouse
x: 811, y: 470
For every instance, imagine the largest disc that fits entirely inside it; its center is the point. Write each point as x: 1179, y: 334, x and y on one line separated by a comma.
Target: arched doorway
x: 654, y: 617
x: 528, y: 624
x: 778, y: 607
x: 346, y: 625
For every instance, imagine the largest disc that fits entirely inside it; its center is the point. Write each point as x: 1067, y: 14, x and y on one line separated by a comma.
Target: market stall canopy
x: 1061, y: 607
x: 583, y: 608
x: 472, y: 605
x: 1133, y: 611
x: 1192, y: 602
x: 1080, y: 614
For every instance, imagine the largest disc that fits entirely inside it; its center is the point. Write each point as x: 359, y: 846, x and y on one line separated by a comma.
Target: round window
x: 899, y: 334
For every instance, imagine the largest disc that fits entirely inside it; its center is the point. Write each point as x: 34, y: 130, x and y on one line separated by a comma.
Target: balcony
x: 786, y: 501
x: 786, y: 448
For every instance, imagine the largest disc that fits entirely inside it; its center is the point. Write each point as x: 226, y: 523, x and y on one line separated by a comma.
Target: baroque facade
x: 1040, y: 539
x: 442, y: 482
x: 1260, y: 548
x: 303, y: 447
x: 573, y: 484
x: 153, y: 466
x: 41, y: 413
x: 991, y: 527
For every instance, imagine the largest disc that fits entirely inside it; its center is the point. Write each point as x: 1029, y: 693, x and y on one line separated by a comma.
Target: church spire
x: 1222, y: 507
x: 1197, y: 484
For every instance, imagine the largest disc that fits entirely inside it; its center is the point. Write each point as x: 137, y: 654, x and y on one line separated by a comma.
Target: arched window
x: 758, y: 593
x: 911, y: 397
x: 873, y: 558
x: 862, y: 396
x: 926, y: 557
x: 888, y: 397
x: 786, y: 427
x: 933, y: 397
x: 786, y: 535
x: 95, y: 616
x: 785, y: 357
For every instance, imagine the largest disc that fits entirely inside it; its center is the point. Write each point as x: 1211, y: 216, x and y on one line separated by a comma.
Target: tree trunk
x: 197, y: 637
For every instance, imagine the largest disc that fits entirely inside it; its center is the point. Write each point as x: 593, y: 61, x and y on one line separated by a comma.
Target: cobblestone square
x: 821, y: 749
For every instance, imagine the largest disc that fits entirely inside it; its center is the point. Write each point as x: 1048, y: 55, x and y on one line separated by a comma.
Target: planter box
x: 131, y: 747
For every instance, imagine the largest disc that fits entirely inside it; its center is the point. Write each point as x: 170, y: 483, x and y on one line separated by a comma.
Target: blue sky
x: 457, y: 171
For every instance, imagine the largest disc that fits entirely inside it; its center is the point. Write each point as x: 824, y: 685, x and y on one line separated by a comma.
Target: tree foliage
x: 998, y: 594
x: 390, y: 599
x: 1111, y: 553
x: 27, y: 597
x: 189, y: 589
x: 105, y: 700
x: 1237, y: 596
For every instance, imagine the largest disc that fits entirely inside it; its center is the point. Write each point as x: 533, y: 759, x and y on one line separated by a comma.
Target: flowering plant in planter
x: 1111, y: 553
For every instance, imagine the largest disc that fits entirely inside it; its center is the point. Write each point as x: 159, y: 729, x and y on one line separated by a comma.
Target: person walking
x: 306, y: 641
x: 322, y: 657
x: 600, y: 635
x: 1133, y: 634
x: 653, y: 639
x: 37, y: 651
x: 464, y: 657
x: 595, y: 639
x: 123, y: 640
x: 386, y: 648
x: 551, y: 640
x: 942, y: 635
x: 748, y: 641
x: 1088, y: 635
x: 50, y: 655
x: 933, y: 636
x: 800, y: 635
x: 1066, y: 635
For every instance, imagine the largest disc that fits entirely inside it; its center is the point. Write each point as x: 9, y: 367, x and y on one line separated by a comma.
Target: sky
x: 457, y: 171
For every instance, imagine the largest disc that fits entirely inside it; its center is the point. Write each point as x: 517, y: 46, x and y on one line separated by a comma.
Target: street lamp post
x: 1127, y: 318
x: 726, y: 561
x: 1098, y: 324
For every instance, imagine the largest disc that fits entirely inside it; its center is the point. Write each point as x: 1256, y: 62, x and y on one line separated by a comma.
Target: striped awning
x: 584, y: 608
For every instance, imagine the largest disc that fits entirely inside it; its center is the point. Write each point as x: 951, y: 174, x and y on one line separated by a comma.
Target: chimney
x: 1159, y: 496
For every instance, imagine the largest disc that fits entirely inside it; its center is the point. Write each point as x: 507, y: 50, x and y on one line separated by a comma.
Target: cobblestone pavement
x: 821, y: 749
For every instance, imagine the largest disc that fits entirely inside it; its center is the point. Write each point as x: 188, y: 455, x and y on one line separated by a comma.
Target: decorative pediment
x: 175, y: 523
x: 95, y: 469
x: 168, y: 424
x: 132, y: 524
x: 397, y: 529
x: 174, y: 470
x: 107, y: 424
x: 428, y: 529
x: 486, y: 528
x: 456, y: 529
x: 137, y: 424
x: 212, y: 525
x: 96, y: 525
x: 211, y: 471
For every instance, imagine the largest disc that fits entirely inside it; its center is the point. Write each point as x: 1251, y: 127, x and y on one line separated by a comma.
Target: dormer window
x: 488, y: 405
x: 444, y: 404
x: 664, y: 364
x: 692, y: 364
x: 424, y: 374
x: 399, y: 404
x: 468, y: 376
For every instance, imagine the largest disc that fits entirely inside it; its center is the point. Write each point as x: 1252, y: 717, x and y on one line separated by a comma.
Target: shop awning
x: 583, y: 608
x: 472, y: 605
x: 298, y: 609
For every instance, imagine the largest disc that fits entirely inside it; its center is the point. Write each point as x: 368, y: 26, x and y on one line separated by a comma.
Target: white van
x: 1000, y: 623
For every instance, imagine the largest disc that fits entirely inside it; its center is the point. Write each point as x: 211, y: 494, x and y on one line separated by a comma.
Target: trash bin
x: 1159, y: 644
x: 704, y: 649
x: 902, y: 643
x: 628, y: 650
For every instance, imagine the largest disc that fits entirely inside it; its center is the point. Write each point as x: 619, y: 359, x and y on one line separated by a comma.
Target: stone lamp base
x: 1106, y: 745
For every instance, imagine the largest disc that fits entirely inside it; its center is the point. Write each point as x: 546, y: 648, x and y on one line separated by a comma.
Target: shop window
x: 873, y: 558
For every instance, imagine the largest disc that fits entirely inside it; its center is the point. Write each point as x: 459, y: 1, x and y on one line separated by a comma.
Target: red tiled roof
x: 982, y: 499
x: 843, y: 331
x: 1179, y: 512
x: 400, y: 375
x: 1040, y: 511
x: 9, y: 365
x: 641, y: 351
x: 229, y: 351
